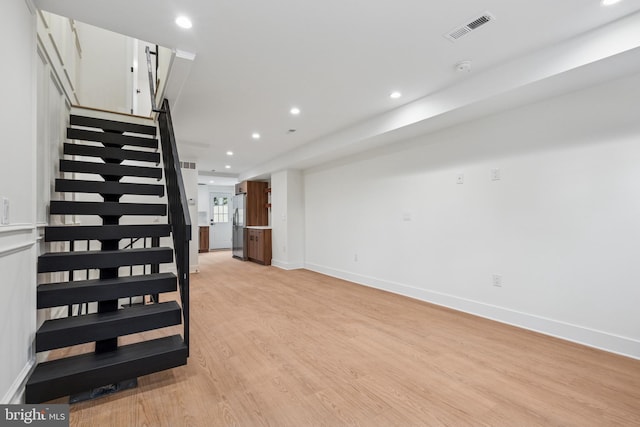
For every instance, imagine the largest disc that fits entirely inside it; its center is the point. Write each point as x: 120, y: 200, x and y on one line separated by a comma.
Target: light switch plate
x: 496, y: 280
x: 5, y: 211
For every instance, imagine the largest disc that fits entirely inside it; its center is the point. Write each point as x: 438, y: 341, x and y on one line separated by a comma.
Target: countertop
x: 259, y: 227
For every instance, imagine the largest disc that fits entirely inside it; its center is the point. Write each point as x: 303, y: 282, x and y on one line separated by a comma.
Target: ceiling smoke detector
x: 463, y: 67
x: 472, y: 24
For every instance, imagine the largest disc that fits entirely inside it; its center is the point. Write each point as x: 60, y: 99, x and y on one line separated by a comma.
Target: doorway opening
x: 220, y: 227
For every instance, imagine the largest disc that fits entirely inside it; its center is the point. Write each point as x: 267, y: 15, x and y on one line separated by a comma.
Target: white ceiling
x: 338, y: 61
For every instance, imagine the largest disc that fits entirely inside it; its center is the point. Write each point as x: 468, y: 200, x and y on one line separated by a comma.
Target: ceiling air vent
x: 472, y: 24
x: 187, y: 165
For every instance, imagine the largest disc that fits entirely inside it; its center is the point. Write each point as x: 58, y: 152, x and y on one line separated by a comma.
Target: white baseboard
x: 15, y: 394
x: 590, y: 337
x: 287, y: 265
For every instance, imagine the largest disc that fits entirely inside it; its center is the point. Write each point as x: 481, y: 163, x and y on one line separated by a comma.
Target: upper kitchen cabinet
x: 241, y: 188
x: 256, y: 202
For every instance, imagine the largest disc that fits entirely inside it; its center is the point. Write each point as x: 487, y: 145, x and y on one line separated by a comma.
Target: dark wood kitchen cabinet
x: 204, y: 239
x: 259, y: 245
x: 256, y: 202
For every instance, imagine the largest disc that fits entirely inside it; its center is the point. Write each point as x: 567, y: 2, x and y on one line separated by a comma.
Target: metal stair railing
x: 179, y: 218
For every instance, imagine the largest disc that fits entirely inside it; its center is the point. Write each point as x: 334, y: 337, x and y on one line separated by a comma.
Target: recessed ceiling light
x: 229, y: 153
x: 395, y: 95
x: 227, y: 166
x: 211, y: 182
x: 609, y: 2
x: 183, y: 22
x: 255, y: 135
x: 295, y: 111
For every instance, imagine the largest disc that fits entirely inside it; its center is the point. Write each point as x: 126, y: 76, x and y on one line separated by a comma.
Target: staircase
x: 114, y: 262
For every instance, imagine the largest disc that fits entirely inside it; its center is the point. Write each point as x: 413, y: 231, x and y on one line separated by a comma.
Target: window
x: 220, y: 209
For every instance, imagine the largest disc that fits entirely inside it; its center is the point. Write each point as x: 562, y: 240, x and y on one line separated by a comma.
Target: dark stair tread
x: 62, y: 377
x: 110, y: 153
x: 110, y: 169
x: 81, y: 260
x: 68, y: 331
x: 68, y: 233
x: 112, y: 125
x: 80, y: 291
x: 111, y: 138
x: 108, y: 187
x: 64, y: 207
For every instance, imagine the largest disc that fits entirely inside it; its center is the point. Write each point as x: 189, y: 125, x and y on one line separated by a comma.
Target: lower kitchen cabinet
x: 204, y: 239
x: 259, y: 245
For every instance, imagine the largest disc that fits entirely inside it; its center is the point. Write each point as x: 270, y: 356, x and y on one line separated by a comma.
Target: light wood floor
x: 278, y: 348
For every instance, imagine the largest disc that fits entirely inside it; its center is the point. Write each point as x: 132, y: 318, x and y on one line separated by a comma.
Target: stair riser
x: 109, y: 169
x: 111, y: 138
x: 83, y: 260
x: 77, y: 186
x: 110, y: 153
x: 102, y: 330
x: 61, y: 207
x: 113, y: 125
x: 90, y: 291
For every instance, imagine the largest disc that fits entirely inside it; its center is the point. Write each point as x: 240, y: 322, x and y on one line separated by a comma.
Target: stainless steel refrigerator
x: 239, y: 223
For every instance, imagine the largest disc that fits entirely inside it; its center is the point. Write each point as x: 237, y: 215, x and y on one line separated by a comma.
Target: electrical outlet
x: 497, y: 280
x: 5, y: 211
x: 495, y: 174
x: 460, y: 178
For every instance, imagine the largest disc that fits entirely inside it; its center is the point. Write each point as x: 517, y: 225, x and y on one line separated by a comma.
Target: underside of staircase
x: 111, y: 263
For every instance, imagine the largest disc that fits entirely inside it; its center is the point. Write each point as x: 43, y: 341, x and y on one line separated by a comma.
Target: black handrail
x: 179, y: 218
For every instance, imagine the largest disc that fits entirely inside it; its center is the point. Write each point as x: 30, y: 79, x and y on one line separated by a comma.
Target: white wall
x: 18, y: 185
x: 279, y: 218
x: 165, y: 60
x: 295, y: 219
x: 59, y: 43
x: 287, y: 219
x: 561, y: 227
x: 104, y: 71
x: 56, y: 61
x: 190, y: 179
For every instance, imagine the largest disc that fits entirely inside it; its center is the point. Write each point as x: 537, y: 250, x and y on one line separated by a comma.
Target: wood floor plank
x: 295, y: 348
